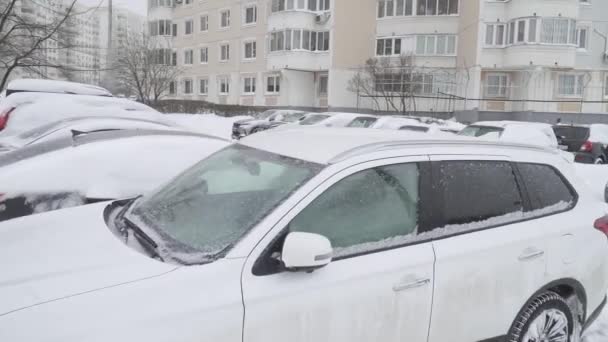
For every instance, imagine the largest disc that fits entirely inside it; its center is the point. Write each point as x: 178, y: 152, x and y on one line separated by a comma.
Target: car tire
x: 599, y: 161
x: 549, y: 310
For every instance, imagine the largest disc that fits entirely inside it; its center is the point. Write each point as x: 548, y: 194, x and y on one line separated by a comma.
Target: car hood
x: 66, y: 253
x: 254, y: 122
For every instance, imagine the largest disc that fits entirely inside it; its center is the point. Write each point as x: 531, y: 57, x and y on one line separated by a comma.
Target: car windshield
x: 207, y: 209
x: 286, y: 117
x: 414, y: 128
x: 573, y: 133
x: 313, y: 119
x: 479, y: 131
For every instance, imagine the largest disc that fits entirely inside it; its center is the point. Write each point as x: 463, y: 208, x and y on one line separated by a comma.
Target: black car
x: 266, y: 120
x: 588, y: 143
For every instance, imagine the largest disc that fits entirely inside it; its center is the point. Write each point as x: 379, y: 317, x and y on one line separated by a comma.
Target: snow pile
x: 210, y: 124
x: 596, y: 176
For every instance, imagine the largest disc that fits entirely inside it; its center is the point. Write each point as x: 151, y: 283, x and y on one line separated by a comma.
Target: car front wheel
x: 547, y: 318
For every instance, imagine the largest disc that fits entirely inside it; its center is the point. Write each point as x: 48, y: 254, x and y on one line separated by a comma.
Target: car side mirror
x: 306, y: 252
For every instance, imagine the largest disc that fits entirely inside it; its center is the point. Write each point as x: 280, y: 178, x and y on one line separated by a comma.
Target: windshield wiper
x: 142, y: 237
x: 146, y: 241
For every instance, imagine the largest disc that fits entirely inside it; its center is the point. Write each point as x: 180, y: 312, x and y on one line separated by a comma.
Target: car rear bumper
x: 584, y: 158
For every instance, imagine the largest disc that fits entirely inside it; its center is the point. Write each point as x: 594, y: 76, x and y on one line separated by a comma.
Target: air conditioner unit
x: 322, y: 18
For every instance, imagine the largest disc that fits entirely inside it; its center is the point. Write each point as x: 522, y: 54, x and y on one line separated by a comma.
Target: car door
x: 489, y: 259
x: 378, y: 286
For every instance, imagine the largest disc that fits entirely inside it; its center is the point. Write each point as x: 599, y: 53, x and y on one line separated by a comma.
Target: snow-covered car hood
x: 66, y: 253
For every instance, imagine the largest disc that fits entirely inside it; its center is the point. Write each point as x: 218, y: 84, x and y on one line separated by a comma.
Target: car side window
x: 362, y: 122
x: 546, y: 188
x: 369, y: 210
x: 479, y: 193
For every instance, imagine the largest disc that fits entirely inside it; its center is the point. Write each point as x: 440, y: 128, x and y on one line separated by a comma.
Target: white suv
x: 321, y: 235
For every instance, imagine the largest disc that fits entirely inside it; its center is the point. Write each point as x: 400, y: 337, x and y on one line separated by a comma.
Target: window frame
x: 575, y: 94
x: 499, y: 95
x: 247, y: 7
x: 254, y: 49
x: 200, y: 22
x: 252, y: 86
x: 200, y: 92
x: 220, y: 23
x: 221, y: 50
x: 275, y: 91
x: 606, y: 85
x: 220, y: 80
x: 524, y: 187
x: 186, y: 21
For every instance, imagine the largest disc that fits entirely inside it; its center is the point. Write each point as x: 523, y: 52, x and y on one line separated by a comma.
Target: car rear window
x: 311, y: 120
x: 571, y: 132
x: 479, y: 131
x: 414, y: 128
x: 478, y: 191
x: 546, y: 188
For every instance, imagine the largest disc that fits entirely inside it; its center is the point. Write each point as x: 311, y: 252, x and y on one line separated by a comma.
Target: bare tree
x: 147, y: 67
x: 26, y: 40
x: 390, y: 83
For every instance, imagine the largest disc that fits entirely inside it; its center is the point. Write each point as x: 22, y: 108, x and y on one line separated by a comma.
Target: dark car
x: 588, y: 143
x: 266, y: 120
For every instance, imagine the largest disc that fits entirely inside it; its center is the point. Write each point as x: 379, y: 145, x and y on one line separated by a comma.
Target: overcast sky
x: 137, y: 6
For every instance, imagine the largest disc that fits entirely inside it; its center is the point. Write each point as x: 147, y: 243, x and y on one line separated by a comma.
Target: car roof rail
x: 397, y: 144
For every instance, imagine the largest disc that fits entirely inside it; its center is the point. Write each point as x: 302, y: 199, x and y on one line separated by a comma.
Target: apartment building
x: 504, y: 55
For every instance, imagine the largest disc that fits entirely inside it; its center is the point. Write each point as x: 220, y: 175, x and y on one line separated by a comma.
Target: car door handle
x: 531, y: 254
x: 411, y: 285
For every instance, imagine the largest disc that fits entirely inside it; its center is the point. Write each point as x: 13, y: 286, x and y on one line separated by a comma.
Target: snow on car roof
x: 504, y: 123
x: 50, y: 86
x: 325, y: 145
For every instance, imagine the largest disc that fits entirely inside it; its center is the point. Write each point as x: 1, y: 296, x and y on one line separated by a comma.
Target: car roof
x: 31, y: 151
x: 505, y: 123
x: 51, y: 86
x: 329, y: 145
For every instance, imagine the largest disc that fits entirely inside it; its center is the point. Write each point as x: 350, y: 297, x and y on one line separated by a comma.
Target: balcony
x: 298, y: 60
x: 302, y: 19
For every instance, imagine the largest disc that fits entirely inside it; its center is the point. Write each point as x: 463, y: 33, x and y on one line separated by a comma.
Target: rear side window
x: 546, y: 188
x: 481, y: 192
x: 363, y: 122
x: 571, y: 133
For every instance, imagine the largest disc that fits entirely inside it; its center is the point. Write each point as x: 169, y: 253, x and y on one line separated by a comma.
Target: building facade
x: 428, y: 55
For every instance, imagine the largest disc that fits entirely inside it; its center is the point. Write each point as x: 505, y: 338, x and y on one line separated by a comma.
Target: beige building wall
x: 235, y: 35
x: 354, y: 37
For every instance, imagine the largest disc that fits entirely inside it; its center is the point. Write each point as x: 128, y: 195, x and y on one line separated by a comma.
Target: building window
x: 290, y: 5
x: 405, y: 83
x: 495, y: 35
x: 558, y: 31
x: 174, y: 30
x: 172, y: 87
x: 224, y: 52
x: 390, y: 8
x: 570, y: 85
x: 249, y: 85
x: 388, y: 47
x: 299, y: 40
x: 204, y: 55
x: 581, y: 38
x: 174, y: 58
x: 250, y: 50
x: 437, y: 7
x: 225, y: 19
x: 203, y: 86
x: 188, y: 87
x: 250, y: 15
x: 204, y: 23
x: 188, y: 57
x: 496, y: 85
x: 273, y: 84
x: 431, y: 45
x: 521, y: 31
x: 224, y: 85
x: 188, y: 26
x: 606, y: 85
x: 323, y: 85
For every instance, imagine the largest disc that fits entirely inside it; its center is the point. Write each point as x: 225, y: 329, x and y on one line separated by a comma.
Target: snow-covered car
x: 350, y: 120
x: 26, y: 110
x: 54, y: 87
x: 69, y: 127
x: 267, y: 120
x: 92, y: 167
x: 515, y: 131
x: 420, y: 124
x: 321, y: 235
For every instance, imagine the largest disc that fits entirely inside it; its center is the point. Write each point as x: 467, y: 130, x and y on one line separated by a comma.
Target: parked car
x: 423, y: 124
x: 266, y: 120
x: 72, y: 126
x: 54, y: 87
x: 93, y: 167
x: 587, y: 142
x: 350, y: 120
x: 26, y: 110
x: 294, y: 235
x: 514, y: 131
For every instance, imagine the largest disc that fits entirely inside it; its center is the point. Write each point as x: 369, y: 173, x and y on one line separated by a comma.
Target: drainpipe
x: 603, y: 35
